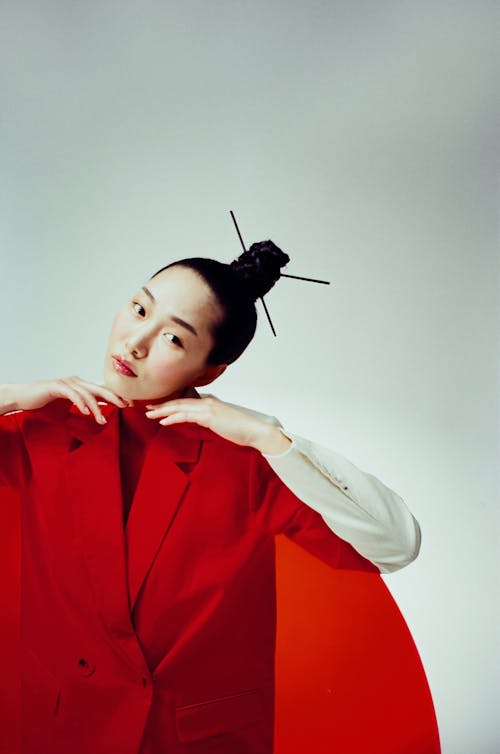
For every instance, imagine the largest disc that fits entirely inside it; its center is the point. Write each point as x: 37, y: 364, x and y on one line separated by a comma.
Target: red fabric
x: 136, y: 431
x: 160, y: 636
x: 10, y: 559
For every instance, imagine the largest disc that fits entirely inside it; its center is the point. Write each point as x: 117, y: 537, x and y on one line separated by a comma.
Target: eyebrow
x: 179, y: 321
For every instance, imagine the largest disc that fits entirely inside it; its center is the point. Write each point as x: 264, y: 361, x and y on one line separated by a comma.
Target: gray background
x: 362, y: 138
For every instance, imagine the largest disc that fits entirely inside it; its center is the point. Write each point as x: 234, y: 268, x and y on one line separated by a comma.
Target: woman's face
x: 163, y: 332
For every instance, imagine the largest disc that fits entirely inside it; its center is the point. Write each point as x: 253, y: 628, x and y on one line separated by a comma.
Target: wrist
x: 271, y: 440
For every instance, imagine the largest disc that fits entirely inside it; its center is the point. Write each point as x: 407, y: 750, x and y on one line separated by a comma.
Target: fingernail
x: 102, y: 419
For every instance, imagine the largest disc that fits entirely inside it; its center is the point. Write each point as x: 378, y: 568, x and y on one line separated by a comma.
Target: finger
x: 154, y: 412
x: 91, y: 402
x: 103, y: 392
x: 65, y: 391
x: 94, y: 406
x: 163, y: 411
x: 182, y: 416
x: 175, y: 419
x: 175, y: 405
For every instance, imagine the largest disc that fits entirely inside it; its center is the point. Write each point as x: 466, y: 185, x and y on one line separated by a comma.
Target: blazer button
x: 85, y: 667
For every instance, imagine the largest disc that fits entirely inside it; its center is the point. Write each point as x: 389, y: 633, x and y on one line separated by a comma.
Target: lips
x: 123, y: 367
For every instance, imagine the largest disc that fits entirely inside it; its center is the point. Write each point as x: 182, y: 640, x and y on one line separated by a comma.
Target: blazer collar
x: 83, y: 428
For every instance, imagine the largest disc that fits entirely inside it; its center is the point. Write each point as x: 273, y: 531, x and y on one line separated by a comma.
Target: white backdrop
x: 360, y: 137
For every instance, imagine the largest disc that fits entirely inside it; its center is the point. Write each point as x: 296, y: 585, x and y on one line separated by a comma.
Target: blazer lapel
x: 118, y: 561
x: 92, y: 474
x: 160, y: 491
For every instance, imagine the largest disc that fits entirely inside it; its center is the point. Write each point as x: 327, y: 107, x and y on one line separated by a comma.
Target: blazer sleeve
x: 13, y: 455
x: 277, y: 510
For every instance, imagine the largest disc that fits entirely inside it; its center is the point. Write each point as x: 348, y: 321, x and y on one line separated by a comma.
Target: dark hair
x: 237, y: 286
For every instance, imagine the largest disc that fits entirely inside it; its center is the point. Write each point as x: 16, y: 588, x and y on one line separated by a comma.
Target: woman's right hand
x: 84, y: 394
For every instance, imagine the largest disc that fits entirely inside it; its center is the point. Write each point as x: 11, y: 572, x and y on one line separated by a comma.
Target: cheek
x: 166, y: 364
x: 163, y: 362
x: 120, y: 326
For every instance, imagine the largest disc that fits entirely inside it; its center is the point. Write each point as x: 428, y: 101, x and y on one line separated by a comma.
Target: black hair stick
x: 243, y: 245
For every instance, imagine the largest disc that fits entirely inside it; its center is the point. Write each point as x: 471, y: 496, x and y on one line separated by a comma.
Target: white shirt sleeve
x: 353, y: 503
x: 356, y: 505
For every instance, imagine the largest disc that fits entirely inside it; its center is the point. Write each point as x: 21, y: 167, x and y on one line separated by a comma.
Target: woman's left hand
x: 233, y: 424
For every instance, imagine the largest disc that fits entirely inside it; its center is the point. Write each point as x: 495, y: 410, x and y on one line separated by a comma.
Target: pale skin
x: 167, y: 357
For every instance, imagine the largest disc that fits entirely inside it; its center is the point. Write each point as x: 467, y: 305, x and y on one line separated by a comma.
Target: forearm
x: 7, y: 398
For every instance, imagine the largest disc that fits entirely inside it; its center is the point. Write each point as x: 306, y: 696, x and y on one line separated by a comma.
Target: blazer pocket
x: 221, y: 715
x: 39, y: 681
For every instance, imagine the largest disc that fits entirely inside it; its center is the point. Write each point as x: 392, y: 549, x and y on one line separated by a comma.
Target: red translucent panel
x: 349, y: 679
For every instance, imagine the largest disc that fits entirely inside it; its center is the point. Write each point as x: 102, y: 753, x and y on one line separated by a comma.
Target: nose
x: 136, y: 344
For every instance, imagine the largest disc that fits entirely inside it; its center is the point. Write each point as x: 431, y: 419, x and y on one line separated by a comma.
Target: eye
x: 175, y: 338
x: 135, y: 303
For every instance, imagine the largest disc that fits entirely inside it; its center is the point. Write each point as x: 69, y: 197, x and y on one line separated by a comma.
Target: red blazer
x: 159, y: 638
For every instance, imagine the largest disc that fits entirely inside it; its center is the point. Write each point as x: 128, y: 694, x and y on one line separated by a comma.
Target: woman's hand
x: 84, y: 394
x: 233, y: 424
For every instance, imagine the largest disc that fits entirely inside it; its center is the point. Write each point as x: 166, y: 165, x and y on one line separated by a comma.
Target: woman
x: 149, y: 513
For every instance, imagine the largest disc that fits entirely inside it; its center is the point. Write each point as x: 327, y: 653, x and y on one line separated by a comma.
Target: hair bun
x: 259, y: 267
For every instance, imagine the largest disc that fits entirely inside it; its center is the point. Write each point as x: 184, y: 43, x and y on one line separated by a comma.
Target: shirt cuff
x: 285, y: 452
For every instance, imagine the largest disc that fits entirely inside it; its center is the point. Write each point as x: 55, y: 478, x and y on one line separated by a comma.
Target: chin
x: 119, y: 386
